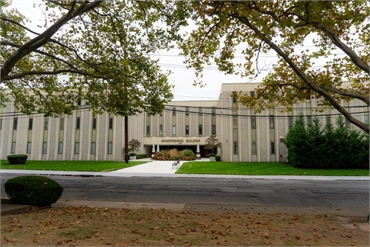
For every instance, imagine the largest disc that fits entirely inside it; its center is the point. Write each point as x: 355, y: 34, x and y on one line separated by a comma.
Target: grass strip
x: 71, y: 165
x: 262, y: 168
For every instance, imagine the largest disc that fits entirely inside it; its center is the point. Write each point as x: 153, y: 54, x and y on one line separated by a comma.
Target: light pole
x: 126, y: 139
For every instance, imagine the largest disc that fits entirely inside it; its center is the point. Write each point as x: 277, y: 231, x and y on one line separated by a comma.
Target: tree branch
x: 21, y: 75
x: 43, y: 38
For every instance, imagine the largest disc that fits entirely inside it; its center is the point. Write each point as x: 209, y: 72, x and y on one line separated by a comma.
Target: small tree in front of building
x: 212, y: 143
x: 133, y: 146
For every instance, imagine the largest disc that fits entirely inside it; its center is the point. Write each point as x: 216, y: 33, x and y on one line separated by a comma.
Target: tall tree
x: 281, y: 26
x: 95, y: 51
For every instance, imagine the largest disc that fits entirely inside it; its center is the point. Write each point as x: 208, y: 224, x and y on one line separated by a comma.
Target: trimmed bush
x: 174, y: 154
x: 141, y: 156
x: 33, y: 190
x: 218, y: 158
x: 17, y: 159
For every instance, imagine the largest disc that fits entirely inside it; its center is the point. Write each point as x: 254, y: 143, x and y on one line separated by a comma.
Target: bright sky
x: 181, y: 77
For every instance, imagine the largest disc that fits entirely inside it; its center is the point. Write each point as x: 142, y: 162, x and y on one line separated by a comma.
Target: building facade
x: 244, y: 134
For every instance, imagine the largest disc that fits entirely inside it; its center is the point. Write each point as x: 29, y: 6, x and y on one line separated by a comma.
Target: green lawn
x: 262, y: 168
x: 73, y: 165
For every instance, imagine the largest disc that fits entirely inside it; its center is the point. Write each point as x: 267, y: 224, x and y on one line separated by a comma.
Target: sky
x: 181, y: 77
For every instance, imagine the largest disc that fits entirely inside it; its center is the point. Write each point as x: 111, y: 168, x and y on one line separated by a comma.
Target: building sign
x: 180, y: 140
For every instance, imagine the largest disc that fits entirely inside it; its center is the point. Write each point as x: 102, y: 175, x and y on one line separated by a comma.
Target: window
x: 253, y: 122
x: 62, y: 124
x: 272, y: 122
x: 94, y: 123
x: 30, y: 124
x: 161, y: 114
x: 328, y: 119
x: 187, y: 130
x: 173, y: 111
x: 28, y: 151
x: 272, y: 147
x: 79, y: 100
x: 46, y: 122
x: 111, y: 123
x: 161, y: 130
x: 148, y: 130
x: 254, y: 148
x: 60, y: 148
x: 213, y: 110
x: 1, y: 124
x: 366, y: 119
x: 200, y: 110
x: 77, y: 147
x: 213, y: 129
x: 173, y: 129
x: 235, y: 148
x: 234, y: 97
x: 200, y: 129
x: 309, y: 121
x: 187, y: 111
x: 44, y: 147
x: 110, y: 147
x: 13, y: 148
x: 252, y: 93
x: 15, y: 123
x: 290, y: 121
x: 78, y: 123
x: 93, y: 147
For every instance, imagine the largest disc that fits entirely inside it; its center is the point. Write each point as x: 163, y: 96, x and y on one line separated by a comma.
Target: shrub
x: 174, y: 154
x: 141, y: 156
x: 218, y: 158
x: 16, y: 159
x: 33, y: 190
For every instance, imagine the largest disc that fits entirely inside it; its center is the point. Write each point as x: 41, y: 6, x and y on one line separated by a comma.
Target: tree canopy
x: 332, y: 27
x: 95, y: 51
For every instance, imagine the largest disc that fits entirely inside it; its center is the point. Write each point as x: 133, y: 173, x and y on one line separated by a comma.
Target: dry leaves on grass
x: 84, y: 226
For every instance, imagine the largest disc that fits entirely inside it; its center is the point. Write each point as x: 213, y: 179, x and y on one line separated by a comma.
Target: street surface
x: 242, y: 194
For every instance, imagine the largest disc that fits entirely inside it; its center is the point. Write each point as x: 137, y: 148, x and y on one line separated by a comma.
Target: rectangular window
x: 235, y: 148
x: 15, y: 123
x: 272, y: 147
x: 111, y: 123
x: 187, y: 111
x: 233, y: 96
x: 200, y: 110
x: 254, y: 148
x: 110, y: 147
x: 252, y: 93
x: 60, y: 148
x: 62, y: 124
x: 213, y: 129
x: 78, y: 123
x: 1, y: 124
x: 290, y: 121
x: 253, y: 122
x: 328, y: 119
x: 173, y: 111
x: 94, y: 123
x: 44, y: 147
x: 309, y: 121
x: 366, y: 119
x: 79, y: 100
x: 28, y: 151
x: 46, y: 123
x: 77, y: 147
x: 173, y: 129
x: 30, y: 124
x: 200, y: 129
x: 93, y: 147
x: 187, y: 130
x: 161, y: 130
x: 213, y: 110
x: 13, y: 148
x: 148, y: 130
x: 272, y: 122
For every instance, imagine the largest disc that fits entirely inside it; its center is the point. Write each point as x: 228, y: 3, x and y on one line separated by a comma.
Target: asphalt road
x: 303, y: 196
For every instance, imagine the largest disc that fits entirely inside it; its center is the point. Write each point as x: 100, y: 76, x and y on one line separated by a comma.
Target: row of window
x: 187, y: 130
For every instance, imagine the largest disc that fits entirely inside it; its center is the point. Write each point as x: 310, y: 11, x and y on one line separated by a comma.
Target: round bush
x: 33, y: 190
x: 16, y: 159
